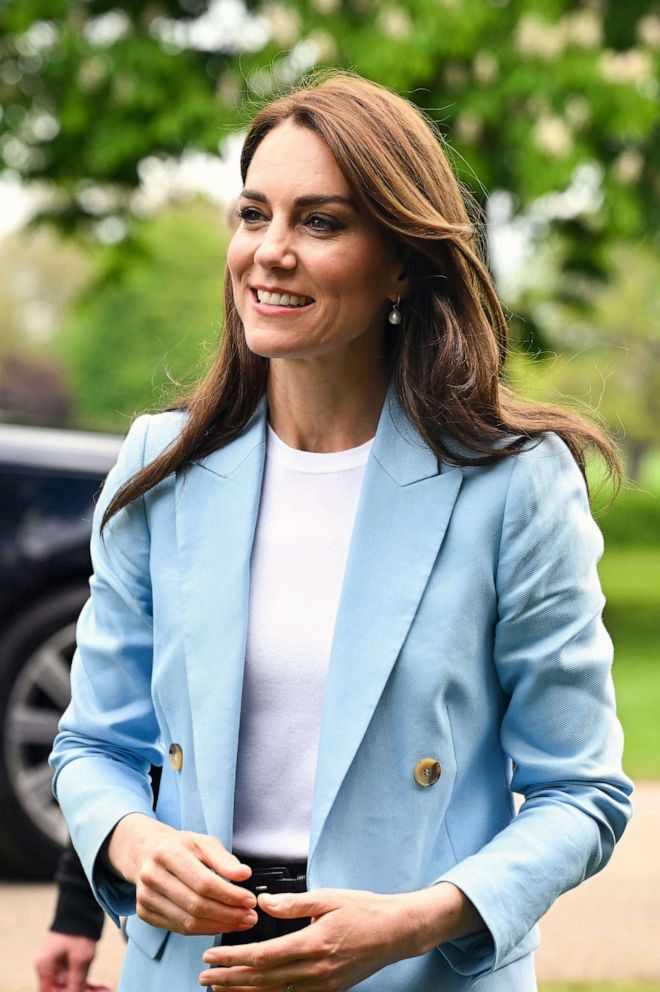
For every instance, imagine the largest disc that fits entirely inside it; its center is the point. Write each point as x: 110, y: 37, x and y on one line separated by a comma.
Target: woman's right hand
x: 183, y: 880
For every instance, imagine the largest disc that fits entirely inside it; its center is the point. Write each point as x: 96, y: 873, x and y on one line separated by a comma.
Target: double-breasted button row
x: 427, y: 772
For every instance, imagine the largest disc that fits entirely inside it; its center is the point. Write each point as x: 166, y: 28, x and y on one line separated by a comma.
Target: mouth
x: 266, y: 301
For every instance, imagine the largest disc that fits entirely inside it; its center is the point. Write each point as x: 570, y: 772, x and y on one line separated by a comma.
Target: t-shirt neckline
x: 315, y: 461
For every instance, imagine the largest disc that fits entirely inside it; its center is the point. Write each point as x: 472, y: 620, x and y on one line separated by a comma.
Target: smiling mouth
x: 291, y: 301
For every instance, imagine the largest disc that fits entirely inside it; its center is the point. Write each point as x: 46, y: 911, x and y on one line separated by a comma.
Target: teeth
x: 282, y: 299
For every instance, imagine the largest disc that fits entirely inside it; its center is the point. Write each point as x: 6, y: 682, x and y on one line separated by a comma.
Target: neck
x: 324, y: 413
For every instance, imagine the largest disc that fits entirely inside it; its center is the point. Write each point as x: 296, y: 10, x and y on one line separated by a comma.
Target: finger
x: 216, y: 857
x: 207, y: 876
x: 181, y: 863
x: 76, y: 977
x: 235, y: 978
x: 187, y: 865
x: 47, y: 969
x: 161, y: 912
x: 47, y: 980
x: 292, y: 905
x: 284, y: 951
x: 204, y: 928
x: 190, y: 903
x: 247, y: 988
x: 301, y: 975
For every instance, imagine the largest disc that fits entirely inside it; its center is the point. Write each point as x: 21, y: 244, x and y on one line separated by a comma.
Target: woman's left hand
x: 352, y: 935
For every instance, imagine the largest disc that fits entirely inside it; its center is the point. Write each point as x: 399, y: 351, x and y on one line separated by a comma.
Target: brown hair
x: 446, y: 358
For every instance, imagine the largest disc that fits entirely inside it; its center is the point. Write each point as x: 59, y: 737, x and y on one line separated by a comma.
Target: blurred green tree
x: 40, y: 276
x: 606, y: 344
x: 149, y: 322
x: 525, y: 91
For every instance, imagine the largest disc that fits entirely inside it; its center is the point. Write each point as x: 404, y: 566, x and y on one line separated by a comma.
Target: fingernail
x: 274, y: 901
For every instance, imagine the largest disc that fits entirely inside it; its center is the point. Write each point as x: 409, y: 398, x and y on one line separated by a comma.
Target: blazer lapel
x: 217, y: 502
x: 404, y: 508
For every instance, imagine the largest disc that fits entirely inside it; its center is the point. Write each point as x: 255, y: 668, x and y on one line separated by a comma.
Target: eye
x: 318, y: 222
x: 247, y: 214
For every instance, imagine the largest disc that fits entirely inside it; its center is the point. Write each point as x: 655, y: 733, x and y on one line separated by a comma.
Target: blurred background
x: 120, y: 131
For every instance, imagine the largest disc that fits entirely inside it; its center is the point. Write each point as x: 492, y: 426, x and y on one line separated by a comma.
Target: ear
x: 401, y: 285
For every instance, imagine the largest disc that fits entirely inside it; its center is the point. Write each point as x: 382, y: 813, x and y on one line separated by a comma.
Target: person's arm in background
x: 67, y: 950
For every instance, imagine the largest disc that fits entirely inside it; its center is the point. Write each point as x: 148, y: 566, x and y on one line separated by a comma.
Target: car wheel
x: 35, y: 661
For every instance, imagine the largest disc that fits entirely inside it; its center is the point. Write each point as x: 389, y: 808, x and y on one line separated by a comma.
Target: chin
x: 270, y: 345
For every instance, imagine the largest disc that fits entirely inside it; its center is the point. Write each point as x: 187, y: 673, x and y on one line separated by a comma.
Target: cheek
x: 360, y: 275
x: 343, y: 279
x: 236, y: 267
x: 362, y: 290
x: 238, y: 257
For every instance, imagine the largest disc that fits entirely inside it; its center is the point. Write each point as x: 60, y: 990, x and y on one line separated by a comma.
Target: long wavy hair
x: 446, y: 358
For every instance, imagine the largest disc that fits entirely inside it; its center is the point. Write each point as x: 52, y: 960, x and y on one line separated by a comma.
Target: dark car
x: 48, y: 482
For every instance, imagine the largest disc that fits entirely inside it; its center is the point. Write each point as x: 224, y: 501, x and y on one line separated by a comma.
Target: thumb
x: 292, y: 905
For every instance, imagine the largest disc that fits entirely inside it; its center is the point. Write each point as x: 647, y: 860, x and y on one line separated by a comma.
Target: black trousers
x: 274, y: 877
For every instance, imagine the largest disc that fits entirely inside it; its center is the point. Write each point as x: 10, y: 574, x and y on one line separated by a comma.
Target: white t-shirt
x: 306, y: 513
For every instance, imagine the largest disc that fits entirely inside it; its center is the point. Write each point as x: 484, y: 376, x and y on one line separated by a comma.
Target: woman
x: 347, y: 592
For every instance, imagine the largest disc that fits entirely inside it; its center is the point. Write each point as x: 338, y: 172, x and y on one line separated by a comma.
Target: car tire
x: 35, y: 659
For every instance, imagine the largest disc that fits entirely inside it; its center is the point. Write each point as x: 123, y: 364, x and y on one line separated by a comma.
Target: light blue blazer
x: 468, y: 630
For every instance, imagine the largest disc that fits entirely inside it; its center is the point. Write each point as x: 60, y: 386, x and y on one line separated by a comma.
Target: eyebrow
x: 301, y: 201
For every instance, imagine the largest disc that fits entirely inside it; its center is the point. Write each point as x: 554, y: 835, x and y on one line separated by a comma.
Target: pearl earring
x: 394, y: 315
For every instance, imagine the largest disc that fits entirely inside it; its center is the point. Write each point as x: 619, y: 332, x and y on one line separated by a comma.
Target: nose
x: 274, y: 249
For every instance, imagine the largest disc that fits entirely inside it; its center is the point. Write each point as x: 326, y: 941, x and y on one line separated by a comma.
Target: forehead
x: 297, y: 159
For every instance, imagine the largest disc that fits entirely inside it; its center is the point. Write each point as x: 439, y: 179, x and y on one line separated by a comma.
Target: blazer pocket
x: 149, y: 939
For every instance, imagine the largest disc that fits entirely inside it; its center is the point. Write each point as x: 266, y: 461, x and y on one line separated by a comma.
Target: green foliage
x: 633, y: 518
x: 652, y: 470
x: 149, y: 323
x: 638, y: 692
x: 630, y: 575
x: 524, y: 90
x: 606, y: 344
x: 40, y: 275
x: 631, y: 582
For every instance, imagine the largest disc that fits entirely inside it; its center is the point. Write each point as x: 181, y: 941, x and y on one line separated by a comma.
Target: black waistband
x: 274, y: 876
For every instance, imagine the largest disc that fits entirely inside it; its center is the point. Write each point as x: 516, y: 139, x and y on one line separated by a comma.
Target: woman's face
x: 302, y: 233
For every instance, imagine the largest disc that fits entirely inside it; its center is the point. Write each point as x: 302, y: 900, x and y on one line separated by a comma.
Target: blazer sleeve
x: 553, y: 657
x: 108, y: 736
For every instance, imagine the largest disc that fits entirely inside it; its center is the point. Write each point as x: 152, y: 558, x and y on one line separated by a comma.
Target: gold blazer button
x: 427, y: 772
x: 176, y: 757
